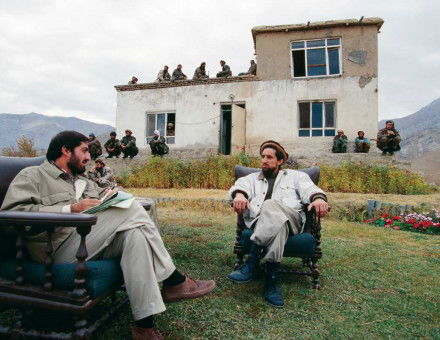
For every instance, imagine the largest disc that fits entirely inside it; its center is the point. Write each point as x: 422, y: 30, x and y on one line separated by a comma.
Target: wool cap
x: 129, y: 131
x: 276, y: 146
x: 341, y: 131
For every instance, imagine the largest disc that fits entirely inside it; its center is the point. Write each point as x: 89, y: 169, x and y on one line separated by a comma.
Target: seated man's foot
x: 245, y: 273
x: 391, y: 153
x: 125, y: 156
x: 109, y: 157
x: 272, y: 293
x: 138, y: 333
x: 188, y: 289
x: 384, y: 153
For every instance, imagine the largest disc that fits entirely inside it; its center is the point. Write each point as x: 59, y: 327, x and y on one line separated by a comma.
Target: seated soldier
x: 133, y: 81
x: 102, y: 175
x: 226, y: 70
x: 163, y: 75
x: 128, y: 145
x: 113, y: 146
x: 340, y: 143
x: 361, y: 143
x: 271, y: 203
x: 157, y: 144
x: 252, y: 70
x: 178, y: 74
x: 94, y: 146
x: 388, y: 139
x: 200, y: 72
x: 57, y: 186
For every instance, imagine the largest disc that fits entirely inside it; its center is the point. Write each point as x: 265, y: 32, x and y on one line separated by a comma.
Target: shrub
x: 24, y: 148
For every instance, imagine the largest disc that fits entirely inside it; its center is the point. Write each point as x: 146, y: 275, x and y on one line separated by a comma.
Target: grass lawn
x: 377, y: 283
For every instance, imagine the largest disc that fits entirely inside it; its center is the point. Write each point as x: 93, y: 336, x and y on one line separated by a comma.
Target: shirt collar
x: 54, y: 171
x: 261, y: 175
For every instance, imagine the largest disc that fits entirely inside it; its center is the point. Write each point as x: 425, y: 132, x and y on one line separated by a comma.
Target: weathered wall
x: 271, y: 111
x: 274, y: 54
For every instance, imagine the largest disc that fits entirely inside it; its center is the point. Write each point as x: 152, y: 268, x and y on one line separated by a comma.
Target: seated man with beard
x: 271, y: 203
x: 57, y: 186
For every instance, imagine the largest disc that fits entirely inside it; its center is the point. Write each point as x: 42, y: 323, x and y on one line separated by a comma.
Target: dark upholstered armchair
x: 72, y: 289
x: 306, y: 245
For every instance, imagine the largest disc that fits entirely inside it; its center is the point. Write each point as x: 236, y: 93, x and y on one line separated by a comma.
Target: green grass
x: 377, y: 284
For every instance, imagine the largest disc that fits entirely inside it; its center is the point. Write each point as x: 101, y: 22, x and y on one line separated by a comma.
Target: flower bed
x: 428, y: 223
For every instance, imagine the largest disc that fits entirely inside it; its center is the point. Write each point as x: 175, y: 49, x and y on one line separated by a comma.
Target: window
x: 165, y: 123
x: 316, y: 57
x: 316, y: 119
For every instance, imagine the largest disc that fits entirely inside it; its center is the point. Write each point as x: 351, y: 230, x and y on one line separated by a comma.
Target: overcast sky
x: 64, y: 57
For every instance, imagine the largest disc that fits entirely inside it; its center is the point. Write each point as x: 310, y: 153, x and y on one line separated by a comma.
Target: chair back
x: 10, y: 167
x: 241, y: 171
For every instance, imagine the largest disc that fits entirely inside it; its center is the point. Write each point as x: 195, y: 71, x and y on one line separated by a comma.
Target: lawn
x: 377, y: 283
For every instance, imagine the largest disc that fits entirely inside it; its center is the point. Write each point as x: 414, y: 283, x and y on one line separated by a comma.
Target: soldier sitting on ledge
x: 388, y: 139
x: 340, y: 143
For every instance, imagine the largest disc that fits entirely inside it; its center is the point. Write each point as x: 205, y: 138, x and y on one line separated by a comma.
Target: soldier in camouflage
x: 226, y: 70
x: 128, y: 145
x: 178, y: 74
x: 200, y: 72
x: 95, y: 148
x: 102, y: 175
x: 113, y: 146
x: 340, y: 143
x: 157, y: 144
x: 388, y: 139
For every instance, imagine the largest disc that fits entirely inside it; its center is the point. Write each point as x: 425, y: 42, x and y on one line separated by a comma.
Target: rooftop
x: 318, y: 25
x: 178, y: 83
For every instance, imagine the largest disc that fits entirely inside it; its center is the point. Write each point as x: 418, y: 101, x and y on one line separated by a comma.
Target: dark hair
x: 278, y: 153
x: 100, y: 161
x: 113, y: 133
x: 389, y: 121
x: 69, y: 139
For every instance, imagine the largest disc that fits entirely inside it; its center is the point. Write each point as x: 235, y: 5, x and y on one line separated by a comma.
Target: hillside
x: 420, y: 131
x: 42, y: 128
x: 429, y: 165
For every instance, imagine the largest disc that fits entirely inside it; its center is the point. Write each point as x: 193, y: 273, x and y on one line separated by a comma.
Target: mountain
x: 42, y: 128
x: 420, y: 131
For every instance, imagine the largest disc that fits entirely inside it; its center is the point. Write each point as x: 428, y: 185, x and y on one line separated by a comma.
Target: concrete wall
x: 275, y: 58
x: 271, y: 111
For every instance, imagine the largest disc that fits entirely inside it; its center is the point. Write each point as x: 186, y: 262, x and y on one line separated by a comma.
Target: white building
x: 312, y: 80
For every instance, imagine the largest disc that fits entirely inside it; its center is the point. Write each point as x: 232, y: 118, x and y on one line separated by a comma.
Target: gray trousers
x: 131, y: 234
x: 274, y: 224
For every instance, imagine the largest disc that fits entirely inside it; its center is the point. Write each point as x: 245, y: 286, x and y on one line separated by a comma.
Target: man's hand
x: 240, y: 203
x: 321, y: 207
x: 84, y: 204
x: 390, y: 132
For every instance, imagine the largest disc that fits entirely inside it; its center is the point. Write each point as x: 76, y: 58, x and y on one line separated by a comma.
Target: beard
x: 75, y: 165
x: 269, y: 172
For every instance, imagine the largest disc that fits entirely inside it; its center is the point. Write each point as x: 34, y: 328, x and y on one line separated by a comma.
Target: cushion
x: 296, y: 245
x: 101, y: 275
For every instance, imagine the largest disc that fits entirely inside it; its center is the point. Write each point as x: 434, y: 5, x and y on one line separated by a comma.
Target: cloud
x: 64, y: 57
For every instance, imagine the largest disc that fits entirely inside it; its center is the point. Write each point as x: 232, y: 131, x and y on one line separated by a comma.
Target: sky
x: 64, y: 57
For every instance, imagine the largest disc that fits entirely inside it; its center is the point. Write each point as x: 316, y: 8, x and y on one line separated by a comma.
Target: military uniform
x: 388, y: 143
x: 131, y: 149
x: 200, y: 73
x: 104, y: 177
x: 158, y: 146
x: 225, y: 72
x: 163, y: 76
x: 113, y: 147
x: 95, y: 149
x: 178, y: 75
x: 340, y: 144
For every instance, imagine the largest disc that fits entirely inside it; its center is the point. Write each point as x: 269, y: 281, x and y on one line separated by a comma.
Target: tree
x: 24, y: 148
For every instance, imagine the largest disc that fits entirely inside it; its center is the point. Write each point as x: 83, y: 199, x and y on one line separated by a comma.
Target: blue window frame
x: 165, y: 123
x: 317, y: 118
x: 312, y: 58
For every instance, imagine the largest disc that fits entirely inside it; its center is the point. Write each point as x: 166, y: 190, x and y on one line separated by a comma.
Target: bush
x: 25, y: 148
x: 216, y: 172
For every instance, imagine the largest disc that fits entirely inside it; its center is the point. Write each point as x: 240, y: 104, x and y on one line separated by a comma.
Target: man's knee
x: 269, y: 205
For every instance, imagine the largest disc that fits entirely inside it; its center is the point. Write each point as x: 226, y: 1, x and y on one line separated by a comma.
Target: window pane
x: 299, y: 63
x: 161, y: 123
x: 316, y: 62
x: 315, y: 43
x: 297, y: 44
x: 151, y: 126
x: 330, y: 132
x: 304, y: 133
x: 317, y: 115
x: 304, y: 115
x: 333, y: 60
x: 316, y: 133
x: 332, y: 42
x: 330, y: 114
x: 171, y: 124
x: 170, y: 140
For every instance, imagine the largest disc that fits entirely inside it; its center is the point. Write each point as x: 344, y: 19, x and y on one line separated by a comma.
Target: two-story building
x: 312, y: 80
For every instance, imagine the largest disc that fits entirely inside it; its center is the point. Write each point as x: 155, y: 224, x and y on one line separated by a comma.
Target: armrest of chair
x: 42, y: 219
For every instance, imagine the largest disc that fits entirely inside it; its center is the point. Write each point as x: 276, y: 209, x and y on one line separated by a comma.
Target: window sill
x: 317, y: 77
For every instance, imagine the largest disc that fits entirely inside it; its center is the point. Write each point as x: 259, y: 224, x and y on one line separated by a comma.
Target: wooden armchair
x: 72, y: 289
x: 306, y: 245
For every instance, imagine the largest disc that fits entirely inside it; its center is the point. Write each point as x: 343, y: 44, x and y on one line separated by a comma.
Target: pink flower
x: 396, y: 228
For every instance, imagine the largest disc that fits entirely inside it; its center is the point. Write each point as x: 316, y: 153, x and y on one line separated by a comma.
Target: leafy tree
x: 25, y: 148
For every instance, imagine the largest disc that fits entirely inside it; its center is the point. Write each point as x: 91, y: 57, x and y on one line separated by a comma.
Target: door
x: 225, y: 129
x: 238, y: 134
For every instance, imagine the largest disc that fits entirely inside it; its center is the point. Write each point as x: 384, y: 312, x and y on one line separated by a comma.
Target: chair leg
x: 81, y: 332
x: 238, y: 260
x: 315, y: 273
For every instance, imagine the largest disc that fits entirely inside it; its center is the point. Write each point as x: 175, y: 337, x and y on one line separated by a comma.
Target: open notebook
x: 114, y: 198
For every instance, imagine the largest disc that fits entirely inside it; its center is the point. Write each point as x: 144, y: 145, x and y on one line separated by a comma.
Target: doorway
x: 232, y: 128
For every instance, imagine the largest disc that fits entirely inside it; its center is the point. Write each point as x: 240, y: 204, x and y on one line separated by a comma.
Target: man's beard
x: 269, y: 172
x: 75, y: 165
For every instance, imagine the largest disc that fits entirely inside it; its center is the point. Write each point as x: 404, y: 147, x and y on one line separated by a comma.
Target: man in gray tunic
x: 102, y: 175
x: 163, y: 75
x: 178, y: 74
x: 271, y: 203
x: 252, y: 70
x: 58, y: 186
x: 200, y: 72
